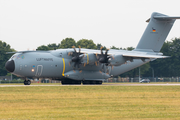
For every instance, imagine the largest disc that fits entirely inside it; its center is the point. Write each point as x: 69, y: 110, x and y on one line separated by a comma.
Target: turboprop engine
x: 117, y: 60
x: 89, y: 58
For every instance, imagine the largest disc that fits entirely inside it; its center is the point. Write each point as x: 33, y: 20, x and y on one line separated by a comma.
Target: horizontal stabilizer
x: 144, y: 56
x: 165, y: 17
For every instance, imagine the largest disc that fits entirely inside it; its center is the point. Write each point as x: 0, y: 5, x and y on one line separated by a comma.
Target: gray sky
x: 27, y: 24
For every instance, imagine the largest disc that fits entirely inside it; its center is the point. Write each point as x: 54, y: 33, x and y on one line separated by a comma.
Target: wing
x: 25, y: 51
x: 132, y: 54
x: 119, y: 57
x: 139, y: 56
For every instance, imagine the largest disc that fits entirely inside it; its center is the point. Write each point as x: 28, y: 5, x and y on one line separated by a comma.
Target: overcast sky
x: 27, y: 24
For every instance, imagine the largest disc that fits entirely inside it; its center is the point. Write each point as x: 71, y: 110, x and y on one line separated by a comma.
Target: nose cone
x: 101, y: 60
x: 10, y: 66
x: 75, y: 59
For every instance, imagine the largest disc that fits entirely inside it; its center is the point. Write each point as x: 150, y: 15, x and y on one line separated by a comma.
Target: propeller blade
x: 103, y: 67
x: 97, y: 56
x: 74, y: 48
x: 101, y: 50
x: 106, y: 52
x: 112, y: 57
x: 106, y: 64
x: 96, y: 63
x: 70, y: 53
x: 81, y: 56
x: 78, y: 66
x: 107, y: 70
x: 75, y: 65
x: 79, y: 49
x: 112, y: 67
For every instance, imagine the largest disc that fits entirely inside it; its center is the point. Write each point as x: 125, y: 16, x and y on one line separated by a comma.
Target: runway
x: 105, y: 84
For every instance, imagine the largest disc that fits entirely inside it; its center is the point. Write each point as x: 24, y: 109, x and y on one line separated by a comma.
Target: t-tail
x: 156, y: 32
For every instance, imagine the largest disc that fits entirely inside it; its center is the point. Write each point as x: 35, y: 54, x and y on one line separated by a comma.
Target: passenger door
x: 39, y: 70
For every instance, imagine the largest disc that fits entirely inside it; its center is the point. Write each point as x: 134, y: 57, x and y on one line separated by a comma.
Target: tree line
x: 169, y: 67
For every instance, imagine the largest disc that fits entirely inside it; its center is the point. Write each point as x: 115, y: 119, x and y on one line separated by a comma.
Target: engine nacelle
x: 117, y: 60
x: 89, y: 58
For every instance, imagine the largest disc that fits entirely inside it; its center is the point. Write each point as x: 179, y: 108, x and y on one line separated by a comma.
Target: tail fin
x: 156, y: 32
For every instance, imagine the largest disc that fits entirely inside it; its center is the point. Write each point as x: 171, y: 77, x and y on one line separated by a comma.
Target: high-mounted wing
x: 119, y: 57
x: 25, y: 51
x: 148, y: 56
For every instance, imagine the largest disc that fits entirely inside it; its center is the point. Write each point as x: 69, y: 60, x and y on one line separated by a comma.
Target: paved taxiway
x: 112, y: 84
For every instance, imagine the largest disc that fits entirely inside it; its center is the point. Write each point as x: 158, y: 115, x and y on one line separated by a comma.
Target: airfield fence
x: 137, y: 79
x: 110, y: 80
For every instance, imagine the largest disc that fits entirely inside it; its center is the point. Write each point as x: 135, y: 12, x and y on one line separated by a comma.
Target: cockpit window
x: 20, y: 56
x: 13, y: 57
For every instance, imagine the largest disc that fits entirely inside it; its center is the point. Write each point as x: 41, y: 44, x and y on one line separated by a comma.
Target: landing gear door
x: 39, y: 70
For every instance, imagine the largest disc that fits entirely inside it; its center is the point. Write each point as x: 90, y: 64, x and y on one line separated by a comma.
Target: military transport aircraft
x: 87, y: 66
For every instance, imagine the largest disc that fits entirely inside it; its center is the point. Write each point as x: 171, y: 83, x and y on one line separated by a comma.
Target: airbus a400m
x: 87, y: 66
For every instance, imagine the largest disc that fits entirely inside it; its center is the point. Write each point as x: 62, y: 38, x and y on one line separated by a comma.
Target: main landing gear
x: 27, y: 82
x: 71, y: 82
x: 78, y: 82
x: 91, y: 82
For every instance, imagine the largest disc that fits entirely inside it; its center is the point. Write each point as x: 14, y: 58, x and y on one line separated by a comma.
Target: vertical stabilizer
x: 156, y: 32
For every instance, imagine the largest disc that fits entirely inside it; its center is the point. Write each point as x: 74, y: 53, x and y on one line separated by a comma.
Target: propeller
x: 104, y: 58
x: 77, y: 56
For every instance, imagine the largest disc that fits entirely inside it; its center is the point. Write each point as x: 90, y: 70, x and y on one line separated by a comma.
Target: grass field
x: 90, y: 102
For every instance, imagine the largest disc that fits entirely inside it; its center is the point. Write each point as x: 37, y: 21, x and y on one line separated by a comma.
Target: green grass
x: 90, y: 102
x: 103, y: 83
